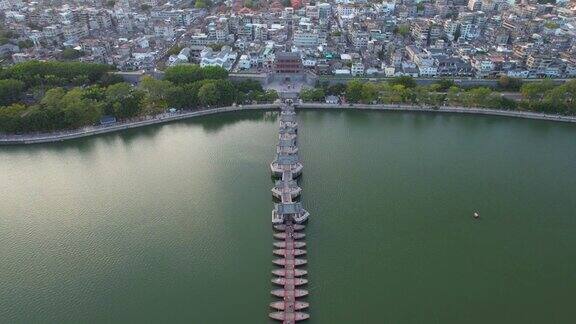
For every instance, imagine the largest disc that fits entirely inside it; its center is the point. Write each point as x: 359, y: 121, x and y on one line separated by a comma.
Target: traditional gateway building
x: 287, y: 63
x: 287, y: 75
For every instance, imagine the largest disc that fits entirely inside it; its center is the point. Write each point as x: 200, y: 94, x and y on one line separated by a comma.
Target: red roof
x: 296, y: 4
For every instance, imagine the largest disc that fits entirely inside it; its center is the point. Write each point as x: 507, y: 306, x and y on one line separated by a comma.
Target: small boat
x: 295, y: 281
x: 282, y: 293
x: 476, y: 215
x: 283, y: 235
x: 295, y: 272
x: 281, y: 316
x: 282, y: 262
x: 297, y: 245
x: 280, y: 305
x: 295, y: 252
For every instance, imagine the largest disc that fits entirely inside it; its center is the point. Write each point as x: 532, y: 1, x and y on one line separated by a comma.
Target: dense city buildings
x: 428, y: 38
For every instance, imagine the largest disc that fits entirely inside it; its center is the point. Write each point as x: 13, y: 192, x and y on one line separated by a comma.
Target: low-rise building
x: 225, y: 58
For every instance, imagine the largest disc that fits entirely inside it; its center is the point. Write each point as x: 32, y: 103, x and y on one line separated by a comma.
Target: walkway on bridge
x: 287, y: 217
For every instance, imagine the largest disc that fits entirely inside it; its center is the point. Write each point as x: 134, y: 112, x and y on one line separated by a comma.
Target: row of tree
x: 54, y: 73
x: 540, y: 96
x: 68, y: 107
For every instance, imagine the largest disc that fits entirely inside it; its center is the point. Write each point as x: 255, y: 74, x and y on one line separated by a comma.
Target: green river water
x: 171, y: 223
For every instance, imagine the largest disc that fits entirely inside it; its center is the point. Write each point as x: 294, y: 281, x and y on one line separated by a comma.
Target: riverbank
x: 457, y: 110
x: 169, y: 117
x: 97, y: 130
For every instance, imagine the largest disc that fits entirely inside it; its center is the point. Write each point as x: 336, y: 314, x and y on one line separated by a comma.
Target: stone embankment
x: 444, y: 109
x: 168, y: 117
x: 145, y: 121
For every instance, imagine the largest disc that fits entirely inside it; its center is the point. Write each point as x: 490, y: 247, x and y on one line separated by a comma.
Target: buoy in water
x: 476, y: 215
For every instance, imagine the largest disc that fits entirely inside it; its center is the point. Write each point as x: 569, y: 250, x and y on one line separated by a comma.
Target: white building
x: 483, y: 66
x: 357, y: 69
x: 427, y: 70
x: 342, y: 72
x: 165, y: 31
x: 306, y: 38
x: 346, y: 11
x: 200, y: 40
x: 244, y: 62
x: 73, y: 33
x: 324, y: 10
x: 225, y: 58
x: 312, y: 12
x: 181, y: 58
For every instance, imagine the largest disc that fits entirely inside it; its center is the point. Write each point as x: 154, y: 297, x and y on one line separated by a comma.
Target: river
x: 171, y: 223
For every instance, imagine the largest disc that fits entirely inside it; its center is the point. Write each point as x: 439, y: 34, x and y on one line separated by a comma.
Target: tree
x: 336, y: 89
x: 551, y: 25
x: 369, y: 92
x: 80, y: 80
x: 248, y: 86
x: 34, y: 73
x: 477, y: 97
x: 507, y: 83
x: 10, y: 91
x: 156, y: 94
x: 453, y: 95
x: 406, y: 81
x: 110, y: 79
x: 202, y: 4
x: 398, y: 93
x: 174, y: 50
x: 403, y: 30
x: 226, y: 92
x: 312, y: 94
x: 79, y: 111
x: 354, y: 91
x: 214, y: 73
x: 424, y: 95
x: 71, y: 54
x: 177, y: 97
x: 124, y: 100
x: 208, y: 94
x: 535, y: 90
x: 270, y: 95
x: 445, y: 84
x: 95, y: 93
x: 185, y: 73
x: 25, y: 43
x: 11, y: 118
x: 562, y: 98
x: 506, y: 103
x: 38, y: 119
x: 52, y: 98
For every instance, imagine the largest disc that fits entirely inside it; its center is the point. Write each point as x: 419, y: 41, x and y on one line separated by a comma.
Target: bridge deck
x: 288, y: 277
